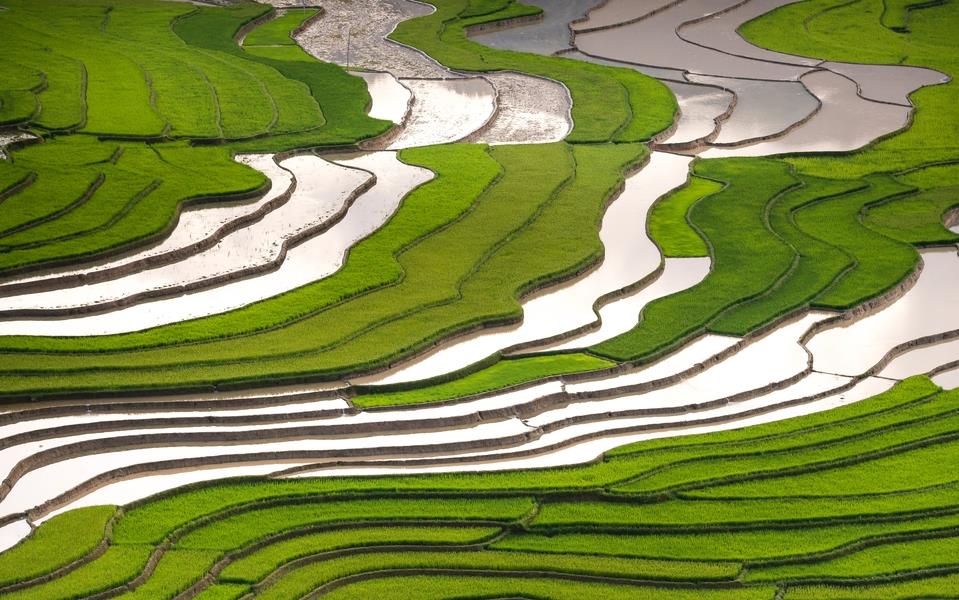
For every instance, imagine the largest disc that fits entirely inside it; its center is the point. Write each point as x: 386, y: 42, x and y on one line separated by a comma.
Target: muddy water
x: 887, y: 83
x: 763, y: 108
x: 700, y: 107
x: 446, y: 110
x: 629, y: 256
x: 653, y: 41
x: 922, y: 360
x: 845, y: 122
x: 615, y: 12
x: 663, y: 74
x: 622, y: 314
x: 926, y: 309
x: 548, y: 36
x: 314, y: 259
x: 195, y: 224
x: 720, y: 33
x: 323, y: 190
x: 531, y: 111
x: 390, y: 98
x: 327, y: 38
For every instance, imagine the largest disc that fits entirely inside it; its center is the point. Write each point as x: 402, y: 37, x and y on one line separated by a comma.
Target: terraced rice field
x: 479, y: 299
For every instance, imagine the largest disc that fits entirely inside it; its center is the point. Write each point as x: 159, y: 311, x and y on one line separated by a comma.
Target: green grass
x: 926, y: 587
x: 497, y: 376
x: 248, y: 527
x: 258, y: 565
x: 276, y: 32
x: 918, y: 219
x: 44, y: 551
x: 820, y: 262
x: 175, y: 572
x: 115, y: 567
x: 885, y: 559
x: 880, y: 262
x: 223, y: 591
x: 747, y: 544
x: 304, y: 579
x: 488, y: 586
x: 668, y: 221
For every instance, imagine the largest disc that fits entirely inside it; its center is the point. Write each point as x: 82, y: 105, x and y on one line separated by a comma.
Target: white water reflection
x: 314, y: 259
x: 126, y: 491
x: 93, y: 417
x: 701, y: 108
x: 774, y: 358
x: 629, y: 256
x: 590, y: 449
x: 720, y: 32
x: 886, y: 83
x: 13, y: 534
x: 48, y: 482
x: 446, y: 110
x: 922, y: 360
x: 926, y: 309
x: 341, y: 38
x: 390, y: 98
x: 948, y: 380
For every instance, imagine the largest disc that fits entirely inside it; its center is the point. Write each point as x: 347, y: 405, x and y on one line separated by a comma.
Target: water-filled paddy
x: 313, y: 259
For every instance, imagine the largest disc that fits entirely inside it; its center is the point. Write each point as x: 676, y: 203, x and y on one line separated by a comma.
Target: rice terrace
x: 479, y: 299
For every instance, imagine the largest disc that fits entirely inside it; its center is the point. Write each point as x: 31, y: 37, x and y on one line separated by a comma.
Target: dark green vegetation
x: 743, y: 513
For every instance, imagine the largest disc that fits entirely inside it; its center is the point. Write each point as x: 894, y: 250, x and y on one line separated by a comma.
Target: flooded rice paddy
x: 735, y: 100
